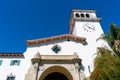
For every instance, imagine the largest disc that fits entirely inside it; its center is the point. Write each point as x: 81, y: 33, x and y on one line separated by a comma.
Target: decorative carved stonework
x: 82, y: 75
x: 75, y: 55
x: 71, y: 68
x: 32, y: 73
x: 36, y: 67
x: 41, y: 68
x: 53, y: 59
x: 37, y: 55
x: 42, y: 62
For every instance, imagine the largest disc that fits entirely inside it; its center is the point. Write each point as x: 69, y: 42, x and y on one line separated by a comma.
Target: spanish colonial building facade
x: 63, y: 57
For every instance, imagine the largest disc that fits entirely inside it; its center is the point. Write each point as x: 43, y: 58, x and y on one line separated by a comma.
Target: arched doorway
x: 56, y: 73
x: 56, y: 76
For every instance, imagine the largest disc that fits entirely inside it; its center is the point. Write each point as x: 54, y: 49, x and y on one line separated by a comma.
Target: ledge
x: 88, y: 19
x: 56, y: 59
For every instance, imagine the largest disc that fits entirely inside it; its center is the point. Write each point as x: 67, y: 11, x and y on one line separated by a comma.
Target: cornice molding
x: 9, y: 55
x: 56, y: 59
x: 78, y: 10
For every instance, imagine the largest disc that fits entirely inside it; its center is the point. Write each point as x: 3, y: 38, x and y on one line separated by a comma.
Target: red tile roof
x: 54, y: 38
x: 5, y: 54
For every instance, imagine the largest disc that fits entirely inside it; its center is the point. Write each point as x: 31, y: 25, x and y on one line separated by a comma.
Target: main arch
x: 56, y: 73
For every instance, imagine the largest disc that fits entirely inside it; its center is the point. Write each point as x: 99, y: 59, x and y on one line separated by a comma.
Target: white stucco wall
x: 6, y: 69
x: 89, y: 51
x: 85, y: 52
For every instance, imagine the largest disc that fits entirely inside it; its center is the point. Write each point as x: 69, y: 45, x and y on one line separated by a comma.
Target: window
x: 15, y: 62
x: 82, y: 15
x: 77, y: 15
x: 0, y: 62
x: 87, y: 16
x: 89, y: 68
x: 11, y: 78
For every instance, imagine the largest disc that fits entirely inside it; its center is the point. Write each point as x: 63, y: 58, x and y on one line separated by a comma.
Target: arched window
x: 82, y: 15
x: 87, y: 16
x: 77, y: 15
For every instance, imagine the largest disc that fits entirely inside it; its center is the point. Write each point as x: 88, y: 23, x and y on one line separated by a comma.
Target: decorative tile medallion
x: 56, y: 48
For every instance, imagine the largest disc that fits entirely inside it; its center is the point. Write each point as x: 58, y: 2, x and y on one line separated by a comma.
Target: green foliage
x: 107, y: 66
x: 113, y: 38
x: 113, y: 34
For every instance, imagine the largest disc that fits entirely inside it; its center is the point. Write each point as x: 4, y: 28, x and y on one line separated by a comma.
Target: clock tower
x: 85, y: 23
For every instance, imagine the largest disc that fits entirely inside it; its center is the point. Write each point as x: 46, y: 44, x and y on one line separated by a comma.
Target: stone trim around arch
x: 43, y: 65
x: 59, y: 69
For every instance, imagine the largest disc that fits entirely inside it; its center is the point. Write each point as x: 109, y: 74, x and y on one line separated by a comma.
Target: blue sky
x: 22, y: 20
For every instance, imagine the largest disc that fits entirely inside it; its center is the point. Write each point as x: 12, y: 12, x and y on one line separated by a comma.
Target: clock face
x: 88, y: 27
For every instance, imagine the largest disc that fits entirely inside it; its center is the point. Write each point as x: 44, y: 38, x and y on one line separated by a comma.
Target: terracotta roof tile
x: 4, y: 54
x: 54, y: 38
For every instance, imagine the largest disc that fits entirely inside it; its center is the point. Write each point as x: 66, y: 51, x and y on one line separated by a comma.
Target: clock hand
x: 90, y: 28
